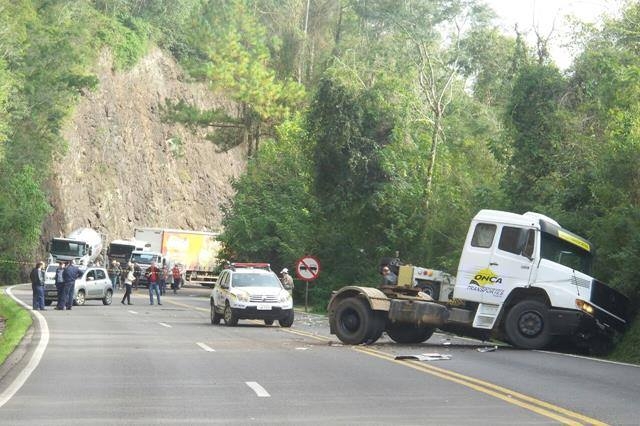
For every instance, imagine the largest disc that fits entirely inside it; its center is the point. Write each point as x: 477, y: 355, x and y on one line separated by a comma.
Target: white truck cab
x: 512, y: 265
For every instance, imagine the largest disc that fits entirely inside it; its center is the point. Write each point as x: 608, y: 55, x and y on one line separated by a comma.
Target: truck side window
x: 530, y: 244
x: 483, y: 235
x: 513, y: 240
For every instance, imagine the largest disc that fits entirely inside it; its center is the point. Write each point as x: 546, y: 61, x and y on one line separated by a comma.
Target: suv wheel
x: 286, y: 321
x: 215, y: 317
x: 229, y: 317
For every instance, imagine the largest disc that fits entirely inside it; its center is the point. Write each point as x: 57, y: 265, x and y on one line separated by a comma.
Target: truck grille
x: 610, y: 300
x: 263, y: 298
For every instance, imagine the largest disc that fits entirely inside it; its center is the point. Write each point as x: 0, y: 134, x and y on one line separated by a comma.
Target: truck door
x: 511, y: 263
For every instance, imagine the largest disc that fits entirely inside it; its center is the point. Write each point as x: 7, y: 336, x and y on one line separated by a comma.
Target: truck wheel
x: 106, y: 300
x: 407, y: 333
x: 377, y: 327
x: 229, y: 317
x: 215, y: 317
x: 527, y: 325
x: 354, y: 322
x: 431, y: 290
x: 287, y: 321
x: 80, y: 299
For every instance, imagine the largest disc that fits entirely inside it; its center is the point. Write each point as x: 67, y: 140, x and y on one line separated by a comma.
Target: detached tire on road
x: 406, y: 333
x: 355, y: 322
x: 527, y: 325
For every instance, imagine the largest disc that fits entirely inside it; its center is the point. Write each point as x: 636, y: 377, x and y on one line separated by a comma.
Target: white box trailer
x: 196, y: 252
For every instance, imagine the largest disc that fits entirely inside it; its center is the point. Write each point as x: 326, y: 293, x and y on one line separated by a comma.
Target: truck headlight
x: 584, y: 306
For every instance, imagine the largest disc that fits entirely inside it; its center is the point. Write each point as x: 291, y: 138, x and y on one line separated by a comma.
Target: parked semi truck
x: 83, y: 246
x: 120, y: 250
x: 521, y: 278
x: 196, y: 252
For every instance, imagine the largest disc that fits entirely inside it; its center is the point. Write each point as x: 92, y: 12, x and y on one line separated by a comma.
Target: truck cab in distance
x: 521, y: 278
x: 83, y: 246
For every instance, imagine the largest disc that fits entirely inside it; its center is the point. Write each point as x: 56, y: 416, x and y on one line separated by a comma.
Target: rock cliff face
x: 126, y: 168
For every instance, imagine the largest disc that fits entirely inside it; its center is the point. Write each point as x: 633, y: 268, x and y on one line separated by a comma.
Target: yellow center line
x: 543, y: 408
x: 538, y: 406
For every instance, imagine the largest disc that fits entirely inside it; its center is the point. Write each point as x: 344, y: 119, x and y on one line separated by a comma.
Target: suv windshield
x: 565, y: 253
x: 255, y: 280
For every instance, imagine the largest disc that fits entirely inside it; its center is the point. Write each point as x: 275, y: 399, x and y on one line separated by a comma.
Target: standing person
x: 114, y: 274
x: 137, y: 271
x: 153, y: 276
x: 162, y: 279
x: 60, y: 286
x: 128, y: 282
x: 37, y: 286
x: 169, y: 279
x: 177, y: 278
x: 287, y: 281
x: 70, y: 274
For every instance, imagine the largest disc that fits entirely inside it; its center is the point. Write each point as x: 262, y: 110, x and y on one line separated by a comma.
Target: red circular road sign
x: 308, y: 268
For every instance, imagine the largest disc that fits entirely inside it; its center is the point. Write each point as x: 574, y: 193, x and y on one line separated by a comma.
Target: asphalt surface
x: 167, y: 364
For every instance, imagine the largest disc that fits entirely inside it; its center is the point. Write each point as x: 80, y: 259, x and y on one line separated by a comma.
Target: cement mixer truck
x: 83, y: 246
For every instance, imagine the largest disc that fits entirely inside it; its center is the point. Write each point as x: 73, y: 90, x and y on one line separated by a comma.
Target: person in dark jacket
x: 60, y: 286
x: 37, y: 285
x: 71, y: 274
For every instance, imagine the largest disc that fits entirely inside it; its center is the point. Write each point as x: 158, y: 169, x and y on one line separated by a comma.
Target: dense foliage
x: 371, y: 127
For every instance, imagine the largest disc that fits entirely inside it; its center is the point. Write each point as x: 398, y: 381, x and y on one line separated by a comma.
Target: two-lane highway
x: 143, y: 364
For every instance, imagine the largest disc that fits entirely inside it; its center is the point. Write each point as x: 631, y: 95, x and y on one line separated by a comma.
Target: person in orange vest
x: 153, y: 277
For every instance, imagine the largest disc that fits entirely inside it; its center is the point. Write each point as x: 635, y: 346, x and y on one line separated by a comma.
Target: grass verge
x: 628, y: 349
x: 17, y: 323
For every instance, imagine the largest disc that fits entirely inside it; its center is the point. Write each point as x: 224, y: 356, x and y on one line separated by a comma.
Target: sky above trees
x: 551, y: 16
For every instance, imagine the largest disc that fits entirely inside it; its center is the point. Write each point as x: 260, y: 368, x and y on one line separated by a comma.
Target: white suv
x: 250, y: 291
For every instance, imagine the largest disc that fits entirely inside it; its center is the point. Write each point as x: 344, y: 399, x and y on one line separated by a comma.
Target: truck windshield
x: 120, y: 249
x: 144, y: 258
x: 565, y: 253
x: 68, y: 248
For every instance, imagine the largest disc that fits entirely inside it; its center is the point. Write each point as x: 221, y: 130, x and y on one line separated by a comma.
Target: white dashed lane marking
x: 259, y: 390
x: 164, y: 324
x: 205, y: 347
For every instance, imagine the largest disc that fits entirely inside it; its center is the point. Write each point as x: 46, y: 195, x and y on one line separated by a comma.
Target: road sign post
x: 307, y: 269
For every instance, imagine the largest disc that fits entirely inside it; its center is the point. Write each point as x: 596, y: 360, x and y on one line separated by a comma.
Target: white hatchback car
x: 250, y: 291
x: 94, y: 284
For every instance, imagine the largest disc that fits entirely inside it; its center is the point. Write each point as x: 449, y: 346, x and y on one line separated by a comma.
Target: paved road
x: 146, y: 364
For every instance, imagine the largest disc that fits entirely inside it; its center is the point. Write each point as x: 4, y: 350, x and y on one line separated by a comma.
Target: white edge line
x: 205, y: 347
x: 259, y: 390
x: 164, y: 324
x: 35, y: 358
x: 606, y: 361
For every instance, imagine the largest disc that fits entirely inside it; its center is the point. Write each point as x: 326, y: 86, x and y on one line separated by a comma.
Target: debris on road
x: 425, y: 357
x: 488, y: 349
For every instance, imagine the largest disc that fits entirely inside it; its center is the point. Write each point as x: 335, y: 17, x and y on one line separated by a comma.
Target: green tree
x: 234, y: 58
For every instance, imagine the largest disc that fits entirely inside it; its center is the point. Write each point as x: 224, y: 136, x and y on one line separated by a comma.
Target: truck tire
x: 377, y: 327
x: 407, y: 333
x: 230, y: 318
x: 355, y: 322
x: 527, y: 325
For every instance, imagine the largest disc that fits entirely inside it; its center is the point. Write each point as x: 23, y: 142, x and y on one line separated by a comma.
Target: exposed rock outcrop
x: 126, y: 168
